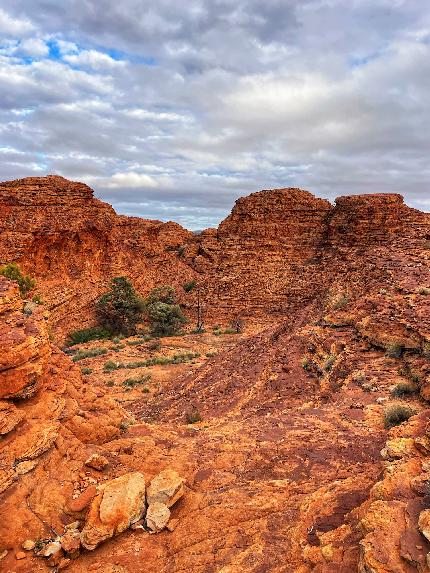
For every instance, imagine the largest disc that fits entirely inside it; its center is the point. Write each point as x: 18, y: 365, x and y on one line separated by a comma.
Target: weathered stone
x: 157, y: 516
x: 97, y: 461
x: 167, y: 487
x: 118, y: 504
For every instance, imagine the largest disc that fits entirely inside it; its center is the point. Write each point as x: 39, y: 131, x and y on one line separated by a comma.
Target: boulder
x: 119, y: 503
x: 167, y: 487
x: 157, y: 516
x: 97, y: 462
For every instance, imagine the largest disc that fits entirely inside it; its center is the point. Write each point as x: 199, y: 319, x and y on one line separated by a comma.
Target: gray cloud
x: 173, y: 111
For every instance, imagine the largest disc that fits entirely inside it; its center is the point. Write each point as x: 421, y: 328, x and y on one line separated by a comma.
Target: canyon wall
x: 72, y: 244
x: 277, y: 251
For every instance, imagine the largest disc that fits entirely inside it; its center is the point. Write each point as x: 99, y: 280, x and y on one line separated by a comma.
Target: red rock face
x: 73, y: 244
x: 290, y: 470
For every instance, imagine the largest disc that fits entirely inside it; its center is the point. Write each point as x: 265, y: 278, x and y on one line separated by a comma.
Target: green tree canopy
x: 120, y: 309
x: 164, y: 314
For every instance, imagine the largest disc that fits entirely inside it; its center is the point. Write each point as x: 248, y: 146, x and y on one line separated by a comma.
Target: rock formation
x: 72, y: 244
x: 290, y: 466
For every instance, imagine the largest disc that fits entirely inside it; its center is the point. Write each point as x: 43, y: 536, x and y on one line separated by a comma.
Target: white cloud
x: 130, y: 180
x: 14, y: 26
x: 93, y: 59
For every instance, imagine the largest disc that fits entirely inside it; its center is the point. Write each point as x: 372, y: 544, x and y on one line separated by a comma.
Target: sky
x: 172, y: 110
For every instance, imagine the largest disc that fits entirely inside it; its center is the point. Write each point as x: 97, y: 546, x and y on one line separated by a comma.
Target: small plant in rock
x: 86, y: 371
x: 394, y: 349
x: 110, y: 383
x: 397, y: 414
x: 359, y: 377
x: 193, y: 416
x: 403, y: 389
x: 328, y: 364
x: 25, y: 282
x: 181, y: 251
x: 37, y: 299
x: 305, y: 363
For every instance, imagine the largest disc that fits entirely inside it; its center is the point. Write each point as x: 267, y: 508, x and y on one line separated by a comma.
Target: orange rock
x: 83, y: 500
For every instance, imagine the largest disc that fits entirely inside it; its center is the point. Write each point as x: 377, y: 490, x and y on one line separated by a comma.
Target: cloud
x: 174, y: 110
x: 14, y: 26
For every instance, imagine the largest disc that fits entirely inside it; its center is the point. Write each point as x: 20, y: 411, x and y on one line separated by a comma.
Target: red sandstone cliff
x: 72, y: 244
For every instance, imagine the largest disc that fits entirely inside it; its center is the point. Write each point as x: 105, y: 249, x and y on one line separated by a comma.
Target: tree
x: 188, y: 287
x: 164, y: 314
x: 13, y: 272
x: 120, y: 309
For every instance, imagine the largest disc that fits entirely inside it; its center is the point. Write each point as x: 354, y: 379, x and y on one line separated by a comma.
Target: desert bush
x: 188, y: 287
x: 120, y: 309
x: 422, y: 290
x: 305, y: 363
x: 328, y: 364
x: 86, y: 370
x: 87, y: 334
x: 403, y: 389
x: 90, y: 353
x: 135, y: 342
x: 230, y: 331
x: 397, y: 414
x: 164, y: 314
x: 37, y: 299
x: 394, y: 349
x: 25, y: 282
x: 181, y: 251
x: 132, y: 382
x: 110, y: 365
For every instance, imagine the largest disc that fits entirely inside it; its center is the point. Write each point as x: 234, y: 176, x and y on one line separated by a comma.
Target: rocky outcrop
x: 72, y: 244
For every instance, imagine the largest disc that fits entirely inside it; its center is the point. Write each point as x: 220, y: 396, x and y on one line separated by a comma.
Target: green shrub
x: 110, y: 365
x: 86, y: 370
x: 13, y: 272
x: 134, y: 342
x: 181, y: 251
x: 328, y: 364
x: 164, y: 314
x: 87, y: 334
x: 230, y: 331
x: 120, y: 309
x: 403, y: 389
x: 394, y: 349
x: 210, y: 354
x: 305, y: 363
x: 37, y: 299
x: 90, y: 353
x: 188, y: 287
x: 397, y: 414
x: 132, y: 382
x: 110, y: 383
